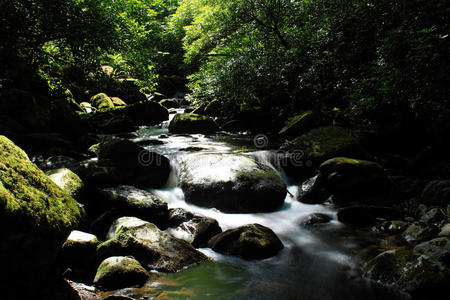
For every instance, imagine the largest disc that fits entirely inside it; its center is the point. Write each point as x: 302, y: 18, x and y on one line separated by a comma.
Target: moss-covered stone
x: 68, y: 181
x: 155, y: 249
x: 422, y: 276
x: 119, y: 272
x: 311, y: 149
x: 192, y: 123
x: 252, y: 241
x: 131, y: 201
x: 101, y: 101
x: 38, y: 216
x: 231, y: 182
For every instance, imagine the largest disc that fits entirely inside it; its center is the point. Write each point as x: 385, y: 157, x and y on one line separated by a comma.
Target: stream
x: 318, y: 261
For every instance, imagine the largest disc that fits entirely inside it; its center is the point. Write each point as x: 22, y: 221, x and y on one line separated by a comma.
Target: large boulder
x: 129, y: 163
x: 37, y: 217
x: 437, y: 192
x: 348, y: 180
x: 192, y: 123
x: 130, y: 201
x: 309, y: 150
x: 232, y: 183
x: 252, y: 241
x: 153, y: 248
x: 120, y: 272
x: 68, y: 181
x: 421, y: 276
x: 438, y: 248
x: 101, y: 101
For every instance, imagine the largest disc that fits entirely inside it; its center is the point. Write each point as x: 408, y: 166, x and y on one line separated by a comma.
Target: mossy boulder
x: 153, y: 248
x: 37, y: 213
x: 437, y: 192
x: 232, y: 183
x: 192, y: 123
x: 129, y: 163
x: 120, y: 272
x: 101, y: 101
x: 311, y: 149
x: 169, y: 103
x: 118, y: 102
x: 299, y: 124
x: 421, y: 276
x: 349, y: 181
x: 68, y: 181
x: 131, y: 201
x: 252, y: 241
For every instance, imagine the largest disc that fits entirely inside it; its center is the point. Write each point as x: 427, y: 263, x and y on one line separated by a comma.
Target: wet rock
x: 348, y: 181
x: 421, y: 276
x: 153, y: 248
x: 232, y: 183
x: 437, y: 192
x: 191, y: 149
x: 130, y: 201
x: 397, y: 226
x: 38, y: 216
x: 129, y: 163
x: 367, y: 215
x: 434, y: 215
x: 420, y: 231
x: 311, y: 149
x: 68, y: 181
x: 252, y: 241
x: 79, y: 253
x: 197, y: 231
x: 178, y: 216
x: 95, y: 174
x: 192, y: 123
x: 101, y: 101
x: 119, y: 272
x: 316, y: 218
x: 438, y: 248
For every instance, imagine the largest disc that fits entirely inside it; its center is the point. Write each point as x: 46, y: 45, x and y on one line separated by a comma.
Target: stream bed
x: 317, y: 262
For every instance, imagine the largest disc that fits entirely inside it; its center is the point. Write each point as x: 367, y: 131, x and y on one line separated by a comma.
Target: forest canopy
x: 372, y: 63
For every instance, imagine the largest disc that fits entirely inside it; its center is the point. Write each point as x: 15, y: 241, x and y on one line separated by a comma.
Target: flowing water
x: 318, y: 262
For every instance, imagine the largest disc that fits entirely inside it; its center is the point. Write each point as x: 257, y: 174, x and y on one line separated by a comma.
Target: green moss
x: 118, y: 102
x: 30, y: 198
x: 326, y: 142
x: 192, y: 123
x: 102, y: 101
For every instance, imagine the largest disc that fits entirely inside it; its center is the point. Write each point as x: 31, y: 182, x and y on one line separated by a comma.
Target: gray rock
x: 232, y: 183
x: 420, y: 231
x: 118, y: 272
x: 153, y: 248
x: 251, y: 241
x: 438, y: 248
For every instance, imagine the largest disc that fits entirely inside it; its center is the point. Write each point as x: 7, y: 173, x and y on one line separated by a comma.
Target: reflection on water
x: 318, y: 262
